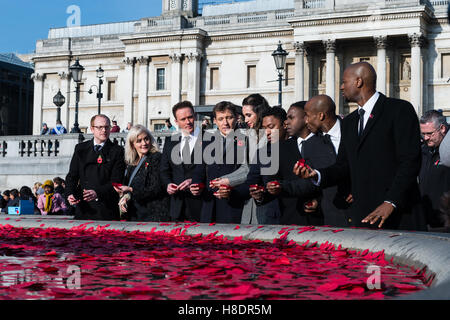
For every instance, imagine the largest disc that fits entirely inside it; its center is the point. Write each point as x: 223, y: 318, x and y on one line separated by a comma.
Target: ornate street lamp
x: 59, y: 100
x: 279, y: 56
x: 100, y: 74
x: 76, y: 71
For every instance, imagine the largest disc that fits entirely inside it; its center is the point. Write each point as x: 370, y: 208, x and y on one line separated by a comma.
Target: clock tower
x: 188, y: 8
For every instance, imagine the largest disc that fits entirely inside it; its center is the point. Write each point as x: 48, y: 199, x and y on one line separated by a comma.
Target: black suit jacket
x: 295, y: 191
x: 383, y: 164
x: 173, y: 171
x: 90, y: 170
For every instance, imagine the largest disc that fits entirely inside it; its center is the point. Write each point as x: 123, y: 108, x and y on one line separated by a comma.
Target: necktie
x: 300, y: 147
x: 186, y: 153
x: 361, y: 121
x: 328, y: 141
x: 97, y: 147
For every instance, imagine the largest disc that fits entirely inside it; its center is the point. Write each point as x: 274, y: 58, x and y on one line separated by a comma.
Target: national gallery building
x: 225, y: 52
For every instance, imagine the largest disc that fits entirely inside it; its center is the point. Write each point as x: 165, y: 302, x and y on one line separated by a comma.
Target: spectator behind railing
x: 51, y: 203
x: 4, y: 201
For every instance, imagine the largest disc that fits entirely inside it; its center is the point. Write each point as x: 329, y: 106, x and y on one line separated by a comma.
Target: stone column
x: 193, y: 94
x: 310, y: 72
x: 39, y: 79
x: 142, y: 117
x: 176, y: 78
x: 330, y: 48
x: 128, y: 85
x: 65, y: 90
x: 299, y: 71
x: 416, y: 41
x: 381, y: 42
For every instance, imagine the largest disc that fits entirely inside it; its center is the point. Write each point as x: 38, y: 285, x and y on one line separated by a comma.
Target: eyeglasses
x: 100, y: 128
x: 429, y: 134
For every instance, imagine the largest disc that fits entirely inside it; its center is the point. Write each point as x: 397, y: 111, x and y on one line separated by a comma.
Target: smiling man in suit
x: 95, y: 165
x: 177, y: 164
x: 380, y: 151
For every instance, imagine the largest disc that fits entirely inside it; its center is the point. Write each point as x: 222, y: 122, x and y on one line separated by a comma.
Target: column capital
x: 64, y: 75
x: 330, y: 45
x: 194, y: 56
x: 381, y: 41
x: 143, y: 60
x: 129, y: 61
x: 300, y: 47
x: 175, y: 57
x: 416, y: 40
x: 38, y: 77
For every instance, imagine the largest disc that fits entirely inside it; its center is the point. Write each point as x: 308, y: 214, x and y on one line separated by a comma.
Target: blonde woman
x: 143, y: 197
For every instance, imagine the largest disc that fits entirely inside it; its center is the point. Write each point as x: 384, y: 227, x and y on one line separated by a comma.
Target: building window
x: 251, y: 76
x: 290, y: 74
x: 445, y: 65
x: 214, y: 78
x: 160, y: 79
x: 112, y: 90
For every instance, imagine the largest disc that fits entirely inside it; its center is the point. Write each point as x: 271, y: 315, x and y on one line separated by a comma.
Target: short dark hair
x: 276, y: 112
x: 182, y: 105
x: 434, y: 116
x: 255, y: 100
x: 299, y: 105
x: 58, y: 180
x: 6, y: 193
x: 26, y: 193
x: 225, y: 105
x: 14, y: 192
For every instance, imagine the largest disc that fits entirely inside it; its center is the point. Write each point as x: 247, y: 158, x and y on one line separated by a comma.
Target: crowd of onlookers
x: 47, y: 198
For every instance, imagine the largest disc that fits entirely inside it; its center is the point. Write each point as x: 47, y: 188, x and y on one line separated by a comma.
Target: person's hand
x: 304, y: 172
x: 349, y: 199
x: 123, y: 204
x: 123, y: 189
x: 274, y: 188
x: 89, y: 195
x: 184, y: 185
x: 172, y: 188
x: 72, y: 200
x: 256, y: 192
x: 196, y: 189
x: 223, y: 192
x: 311, y: 206
x: 216, y: 183
x: 382, y: 212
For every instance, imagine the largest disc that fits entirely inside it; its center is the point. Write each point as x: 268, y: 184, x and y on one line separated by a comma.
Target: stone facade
x: 152, y: 63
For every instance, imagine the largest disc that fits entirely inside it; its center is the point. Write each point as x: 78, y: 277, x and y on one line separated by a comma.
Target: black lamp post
x: 279, y: 57
x: 59, y: 100
x: 100, y: 74
x: 76, y: 71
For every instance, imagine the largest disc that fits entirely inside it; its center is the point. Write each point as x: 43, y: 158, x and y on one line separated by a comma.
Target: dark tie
x: 361, y: 121
x: 97, y: 148
x: 300, y: 148
x: 328, y: 141
x: 186, y: 153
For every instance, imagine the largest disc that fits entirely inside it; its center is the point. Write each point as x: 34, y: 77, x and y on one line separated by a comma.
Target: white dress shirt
x: 335, y: 135
x: 300, y: 141
x: 192, y: 140
x: 368, y: 107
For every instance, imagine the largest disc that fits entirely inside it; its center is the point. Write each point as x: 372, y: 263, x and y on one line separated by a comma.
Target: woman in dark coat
x: 143, y: 197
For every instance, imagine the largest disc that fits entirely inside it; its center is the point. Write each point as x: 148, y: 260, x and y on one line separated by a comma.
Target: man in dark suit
x: 321, y: 119
x: 95, y: 165
x: 177, y: 164
x: 298, y: 197
x: 380, y: 151
x: 223, y: 153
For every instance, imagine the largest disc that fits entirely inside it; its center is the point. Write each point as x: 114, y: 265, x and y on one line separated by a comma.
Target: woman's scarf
x: 48, y: 201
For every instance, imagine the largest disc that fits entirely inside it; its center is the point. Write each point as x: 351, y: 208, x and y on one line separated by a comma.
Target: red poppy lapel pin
x: 146, y: 165
x: 240, y: 143
x: 99, y: 159
x: 371, y: 116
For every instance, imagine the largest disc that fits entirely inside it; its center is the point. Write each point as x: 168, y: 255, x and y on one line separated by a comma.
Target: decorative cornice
x: 99, y: 55
x: 129, y: 61
x: 163, y: 39
x: 143, y: 60
x: 359, y: 19
x: 299, y: 47
x: 194, y: 56
x: 51, y: 58
x: 175, y: 57
x: 63, y: 75
x: 253, y: 35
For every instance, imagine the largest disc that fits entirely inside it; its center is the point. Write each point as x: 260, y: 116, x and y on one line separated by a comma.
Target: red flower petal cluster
x: 115, y: 264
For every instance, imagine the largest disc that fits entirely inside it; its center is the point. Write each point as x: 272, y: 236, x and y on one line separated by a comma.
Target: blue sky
x: 25, y: 21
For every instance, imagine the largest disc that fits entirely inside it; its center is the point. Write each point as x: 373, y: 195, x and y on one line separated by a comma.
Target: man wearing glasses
x: 95, y: 165
x: 434, y: 178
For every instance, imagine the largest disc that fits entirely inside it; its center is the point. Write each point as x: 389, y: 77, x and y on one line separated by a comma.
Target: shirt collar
x: 370, y: 104
x: 335, y: 131
x: 300, y: 139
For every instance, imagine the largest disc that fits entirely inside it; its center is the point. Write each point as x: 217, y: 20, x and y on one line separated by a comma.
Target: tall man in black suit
x: 298, y: 197
x: 95, y: 165
x: 380, y: 151
x: 223, y: 153
x: 321, y: 119
x: 177, y: 164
